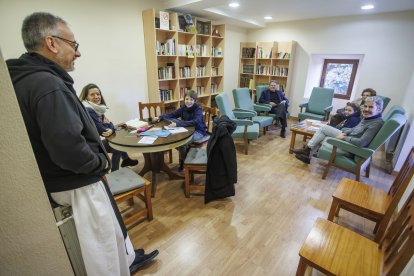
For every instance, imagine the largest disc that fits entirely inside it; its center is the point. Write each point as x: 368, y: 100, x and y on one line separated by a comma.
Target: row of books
x: 248, y: 52
x: 183, y: 90
x: 201, y: 71
x: 263, y: 53
x: 200, y: 90
x: 201, y: 50
x: 166, y: 48
x: 167, y: 72
x: 283, y: 55
x: 271, y: 70
x: 185, y: 50
x: 214, y: 87
x: 185, y: 72
x: 248, y: 68
x: 245, y: 81
x: 216, y: 52
x: 166, y: 94
x: 214, y: 71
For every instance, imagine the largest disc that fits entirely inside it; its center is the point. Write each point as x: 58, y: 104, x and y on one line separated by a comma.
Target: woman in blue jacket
x: 189, y: 114
x: 92, y: 99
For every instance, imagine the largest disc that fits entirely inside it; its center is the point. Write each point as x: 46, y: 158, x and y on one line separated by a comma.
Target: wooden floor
x: 258, y: 231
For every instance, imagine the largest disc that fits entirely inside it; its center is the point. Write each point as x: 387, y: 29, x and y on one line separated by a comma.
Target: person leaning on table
x: 67, y: 147
x: 360, y: 135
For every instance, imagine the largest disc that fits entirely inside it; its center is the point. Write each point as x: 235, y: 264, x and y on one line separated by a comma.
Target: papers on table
x: 136, y: 123
x: 156, y: 131
x: 175, y: 130
x: 147, y: 140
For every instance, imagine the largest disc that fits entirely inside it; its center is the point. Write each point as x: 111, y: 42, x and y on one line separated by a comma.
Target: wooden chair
x: 336, y: 250
x: 126, y: 185
x: 154, y: 110
x: 369, y: 202
x: 208, y: 114
x: 194, y: 163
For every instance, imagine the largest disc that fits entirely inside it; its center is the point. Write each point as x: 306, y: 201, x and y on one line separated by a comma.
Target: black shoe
x: 141, y: 260
x: 304, y: 158
x: 129, y: 162
x: 304, y: 150
x: 283, y: 133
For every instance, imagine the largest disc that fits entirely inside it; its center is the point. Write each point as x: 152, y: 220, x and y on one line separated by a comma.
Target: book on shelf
x: 248, y: 52
x: 244, y: 81
x: 283, y: 55
x: 164, y: 20
x: 166, y: 94
x: 189, y: 24
x: 200, y: 90
x: 185, y: 72
x: 214, y: 87
x: 248, y: 68
x: 201, y: 50
x: 216, y: 52
x: 166, y: 48
x: 201, y: 71
x: 185, y: 50
x: 167, y: 72
x: 183, y: 90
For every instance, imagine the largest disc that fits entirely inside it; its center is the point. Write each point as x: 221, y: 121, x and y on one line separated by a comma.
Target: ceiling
x: 250, y: 13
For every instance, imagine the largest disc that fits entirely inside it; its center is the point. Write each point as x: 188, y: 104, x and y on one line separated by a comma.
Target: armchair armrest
x: 242, y: 113
x: 361, y: 152
x: 328, y: 109
x: 241, y: 122
x: 262, y: 107
x: 303, y: 105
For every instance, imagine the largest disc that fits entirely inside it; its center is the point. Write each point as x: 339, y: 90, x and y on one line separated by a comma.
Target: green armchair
x: 243, y: 102
x: 246, y: 128
x: 353, y: 159
x: 319, y: 105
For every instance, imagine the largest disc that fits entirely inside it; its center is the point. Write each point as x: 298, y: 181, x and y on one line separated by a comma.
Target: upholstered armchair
x: 243, y: 102
x: 352, y: 158
x: 246, y: 128
x: 319, y: 105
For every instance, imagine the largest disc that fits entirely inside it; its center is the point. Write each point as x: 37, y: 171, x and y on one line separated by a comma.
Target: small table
x: 122, y: 140
x: 305, y: 128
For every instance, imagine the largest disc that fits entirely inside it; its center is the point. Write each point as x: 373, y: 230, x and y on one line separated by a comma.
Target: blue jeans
x: 116, y: 155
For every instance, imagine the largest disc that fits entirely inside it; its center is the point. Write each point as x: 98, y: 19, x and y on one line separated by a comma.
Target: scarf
x: 100, y: 109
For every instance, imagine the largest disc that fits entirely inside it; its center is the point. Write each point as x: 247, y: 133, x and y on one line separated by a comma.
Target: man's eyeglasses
x: 73, y: 44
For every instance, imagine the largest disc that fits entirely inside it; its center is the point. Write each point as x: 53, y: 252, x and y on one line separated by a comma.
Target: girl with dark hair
x: 94, y: 102
x: 350, y: 118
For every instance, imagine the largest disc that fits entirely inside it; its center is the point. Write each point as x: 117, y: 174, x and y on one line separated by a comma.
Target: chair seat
x: 342, y: 159
x: 124, y: 180
x: 361, y: 195
x: 252, y: 132
x: 263, y: 121
x: 196, y: 156
x: 307, y: 115
x: 202, y: 140
x: 340, y: 251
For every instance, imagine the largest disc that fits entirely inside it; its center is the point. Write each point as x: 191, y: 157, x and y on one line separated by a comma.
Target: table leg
x: 292, y: 141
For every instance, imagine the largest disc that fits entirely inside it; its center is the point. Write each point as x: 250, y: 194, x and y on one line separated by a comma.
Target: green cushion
x: 124, y: 180
x: 307, y: 115
x: 196, y: 156
x: 263, y: 121
x: 252, y: 132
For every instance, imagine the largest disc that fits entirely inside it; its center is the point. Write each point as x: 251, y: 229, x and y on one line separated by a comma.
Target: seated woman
x: 190, y: 114
x: 350, y: 118
x: 94, y: 102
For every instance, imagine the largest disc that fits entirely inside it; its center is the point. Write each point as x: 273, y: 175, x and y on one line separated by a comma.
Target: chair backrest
x: 395, y: 109
x: 259, y: 91
x: 154, y: 109
x: 223, y: 105
x: 397, y: 244
x: 320, y: 99
x: 385, y: 101
x: 208, y: 114
x: 392, y: 125
x: 242, y: 98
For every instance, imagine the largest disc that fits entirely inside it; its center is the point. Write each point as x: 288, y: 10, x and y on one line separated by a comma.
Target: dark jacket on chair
x: 221, y: 161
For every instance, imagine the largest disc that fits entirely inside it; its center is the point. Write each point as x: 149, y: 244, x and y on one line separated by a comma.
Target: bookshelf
x: 182, y: 57
x: 261, y: 62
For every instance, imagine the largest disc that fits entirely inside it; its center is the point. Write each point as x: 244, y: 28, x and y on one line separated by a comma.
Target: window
x: 339, y: 74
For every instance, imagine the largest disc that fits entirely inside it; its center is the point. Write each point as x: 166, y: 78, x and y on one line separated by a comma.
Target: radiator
x: 66, y: 225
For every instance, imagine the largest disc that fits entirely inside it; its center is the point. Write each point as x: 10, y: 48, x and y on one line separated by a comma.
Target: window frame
x: 354, y: 62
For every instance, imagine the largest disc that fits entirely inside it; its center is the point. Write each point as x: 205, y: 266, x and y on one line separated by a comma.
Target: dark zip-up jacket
x: 67, y: 147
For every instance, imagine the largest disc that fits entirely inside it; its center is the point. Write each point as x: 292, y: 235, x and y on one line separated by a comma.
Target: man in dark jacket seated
x: 279, y: 104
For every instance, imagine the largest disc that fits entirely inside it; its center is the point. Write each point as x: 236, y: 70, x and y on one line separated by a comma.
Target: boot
x: 283, y: 132
x: 304, y: 150
x: 181, y: 167
x: 129, y: 162
x: 304, y: 158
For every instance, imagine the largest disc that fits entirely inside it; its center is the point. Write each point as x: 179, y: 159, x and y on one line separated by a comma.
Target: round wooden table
x: 125, y: 141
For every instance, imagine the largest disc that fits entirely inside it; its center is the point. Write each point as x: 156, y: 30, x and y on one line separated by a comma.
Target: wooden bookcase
x: 261, y: 62
x: 178, y: 60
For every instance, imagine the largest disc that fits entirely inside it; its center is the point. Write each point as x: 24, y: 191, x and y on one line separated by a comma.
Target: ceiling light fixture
x: 268, y: 17
x: 367, y: 7
x: 234, y: 5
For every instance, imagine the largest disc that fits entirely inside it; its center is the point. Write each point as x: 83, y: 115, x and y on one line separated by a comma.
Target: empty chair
x: 319, y: 105
x: 336, y: 250
x: 194, y: 163
x: 246, y: 128
x: 372, y: 203
x: 243, y: 102
x: 126, y: 185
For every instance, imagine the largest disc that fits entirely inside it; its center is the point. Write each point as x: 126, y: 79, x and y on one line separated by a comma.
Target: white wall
x: 385, y: 40
x: 111, y: 40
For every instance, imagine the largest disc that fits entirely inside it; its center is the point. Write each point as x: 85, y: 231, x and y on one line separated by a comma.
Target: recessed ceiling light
x: 268, y: 17
x: 367, y: 7
x: 234, y: 5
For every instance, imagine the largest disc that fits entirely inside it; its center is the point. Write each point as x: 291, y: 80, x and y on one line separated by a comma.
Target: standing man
x: 279, y: 104
x: 67, y: 147
x: 360, y: 135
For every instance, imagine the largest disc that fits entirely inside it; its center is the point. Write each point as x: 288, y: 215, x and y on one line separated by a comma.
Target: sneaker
x: 304, y: 158
x: 129, y: 162
x: 141, y: 260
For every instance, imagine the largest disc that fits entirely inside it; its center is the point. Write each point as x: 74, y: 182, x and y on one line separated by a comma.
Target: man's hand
x: 172, y: 125
x: 108, y: 132
x: 341, y: 136
x: 283, y: 102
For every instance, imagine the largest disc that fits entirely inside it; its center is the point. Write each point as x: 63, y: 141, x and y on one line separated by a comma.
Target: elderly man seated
x: 360, y: 135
